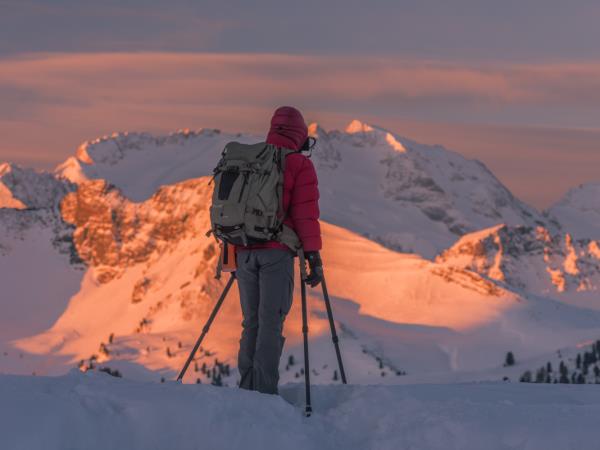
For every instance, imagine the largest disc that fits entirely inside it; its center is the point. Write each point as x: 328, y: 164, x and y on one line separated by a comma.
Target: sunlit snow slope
x: 149, y: 286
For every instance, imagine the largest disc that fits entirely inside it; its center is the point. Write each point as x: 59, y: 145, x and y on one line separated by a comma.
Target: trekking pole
x: 334, y: 336
x: 308, y: 408
x: 206, y: 327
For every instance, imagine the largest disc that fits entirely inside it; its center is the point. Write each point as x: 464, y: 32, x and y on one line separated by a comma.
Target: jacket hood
x: 288, y: 128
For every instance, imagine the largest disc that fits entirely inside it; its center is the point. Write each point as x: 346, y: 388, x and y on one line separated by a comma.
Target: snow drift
x: 100, y: 412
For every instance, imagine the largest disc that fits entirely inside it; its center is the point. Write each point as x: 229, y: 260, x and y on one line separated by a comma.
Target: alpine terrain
x: 436, y: 272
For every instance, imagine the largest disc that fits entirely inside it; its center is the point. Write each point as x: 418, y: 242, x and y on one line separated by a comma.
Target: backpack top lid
x: 244, y: 152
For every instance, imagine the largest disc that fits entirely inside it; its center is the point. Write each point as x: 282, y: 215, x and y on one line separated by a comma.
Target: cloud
x: 51, y: 102
x: 251, y: 78
x: 461, y: 29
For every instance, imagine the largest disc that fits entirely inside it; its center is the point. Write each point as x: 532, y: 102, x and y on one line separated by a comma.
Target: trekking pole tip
x: 308, y: 411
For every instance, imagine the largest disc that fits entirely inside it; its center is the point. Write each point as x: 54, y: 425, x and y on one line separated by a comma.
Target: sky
x: 515, y: 84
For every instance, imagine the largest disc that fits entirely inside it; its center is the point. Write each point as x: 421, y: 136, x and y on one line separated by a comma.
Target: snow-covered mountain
x: 408, y: 196
x: 39, y: 265
x: 22, y: 188
x: 149, y: 284
x: 532, y: 260
x: 114, y: 240
x: 579, y: 211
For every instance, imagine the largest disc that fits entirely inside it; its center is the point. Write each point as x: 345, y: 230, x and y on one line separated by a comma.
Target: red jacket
x: 300, y: 190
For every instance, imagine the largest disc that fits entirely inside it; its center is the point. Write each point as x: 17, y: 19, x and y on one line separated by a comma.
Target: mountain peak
x: 585, y: 195
x: 356, y: 126
x: 5, y: 168
x: 579, y: 211
x: 29, y: 188
x: 314, y: 129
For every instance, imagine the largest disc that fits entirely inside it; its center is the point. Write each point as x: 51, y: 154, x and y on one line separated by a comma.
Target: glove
x: 316, y: 268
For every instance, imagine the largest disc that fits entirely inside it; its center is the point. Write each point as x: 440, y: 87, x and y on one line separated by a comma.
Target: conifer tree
x: 540, y: 376
x: 564, y: 373
x: 509, y: 360
x: 217, y: 381
x: 526, y: 377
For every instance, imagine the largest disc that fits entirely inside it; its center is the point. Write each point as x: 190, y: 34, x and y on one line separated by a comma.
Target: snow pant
x: 266, y: 283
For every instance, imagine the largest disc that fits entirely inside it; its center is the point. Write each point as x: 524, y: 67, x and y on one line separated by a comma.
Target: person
x: 265, y: 272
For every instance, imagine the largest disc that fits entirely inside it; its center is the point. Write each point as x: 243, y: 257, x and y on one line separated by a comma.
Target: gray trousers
x: 266, y: 282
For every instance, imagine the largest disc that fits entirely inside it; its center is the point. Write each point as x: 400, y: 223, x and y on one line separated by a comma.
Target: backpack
x: 247, y: 201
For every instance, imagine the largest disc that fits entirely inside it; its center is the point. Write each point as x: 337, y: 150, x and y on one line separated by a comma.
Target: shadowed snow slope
x: 579, y: 211
x: 98, y: 412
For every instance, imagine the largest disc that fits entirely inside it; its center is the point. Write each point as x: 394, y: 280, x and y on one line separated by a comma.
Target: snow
x: 356, y: 126
x: 155, y: 161
x: 29, y: 188
x: 46, y: 282
x: 407, y: 196
x: 390, y: 139
x: 579, y: 211
x: 148, y: 281
x: 532, y: 260
x: 7, y: 200
x: 413, y: 315
x: 97, y: 411
x: 134, y: 208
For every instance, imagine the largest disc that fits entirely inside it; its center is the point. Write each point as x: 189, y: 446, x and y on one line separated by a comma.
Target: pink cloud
x: 51, y: 102
x: 263, y: 78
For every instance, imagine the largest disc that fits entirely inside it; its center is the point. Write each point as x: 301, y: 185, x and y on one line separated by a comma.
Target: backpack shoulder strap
x: 286, y: 235
x: 283, y: 154
x: 280, y: 159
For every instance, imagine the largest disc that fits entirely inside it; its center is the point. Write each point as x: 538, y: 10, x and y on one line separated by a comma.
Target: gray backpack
x: 247, y: 202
